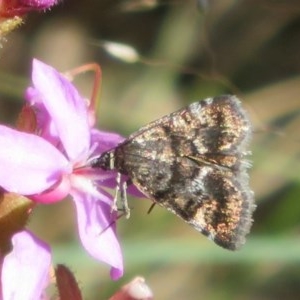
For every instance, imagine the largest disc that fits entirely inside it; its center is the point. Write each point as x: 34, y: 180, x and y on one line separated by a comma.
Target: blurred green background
x: 189, y: 50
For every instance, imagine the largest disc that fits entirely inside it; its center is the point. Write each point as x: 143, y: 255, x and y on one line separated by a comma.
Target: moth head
x: 105, y: 161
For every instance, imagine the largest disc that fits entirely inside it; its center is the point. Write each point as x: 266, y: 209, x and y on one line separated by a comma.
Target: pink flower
x: 11, y: 8
x: 46, y: 166
x: 25, y: 270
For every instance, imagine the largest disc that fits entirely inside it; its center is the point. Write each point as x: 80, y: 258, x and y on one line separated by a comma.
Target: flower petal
x: 29, y: 164
x: 44, y: 123
x: 25, y: 271
x: 68, y: 110
x: 39, y: 4
x: 103, y: 140
x: 11, y: 8
x: 97, y: 231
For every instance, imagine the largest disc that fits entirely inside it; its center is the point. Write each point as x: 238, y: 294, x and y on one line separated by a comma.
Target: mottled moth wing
x: 191, y: 162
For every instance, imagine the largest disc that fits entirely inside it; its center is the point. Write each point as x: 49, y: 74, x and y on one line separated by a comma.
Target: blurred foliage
x: 189, y: 50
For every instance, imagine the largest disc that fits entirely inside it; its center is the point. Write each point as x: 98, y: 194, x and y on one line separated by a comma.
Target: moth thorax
x: 112, y: 160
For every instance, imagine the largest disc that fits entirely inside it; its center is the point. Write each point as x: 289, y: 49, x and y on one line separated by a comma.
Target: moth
x: 192, y: 162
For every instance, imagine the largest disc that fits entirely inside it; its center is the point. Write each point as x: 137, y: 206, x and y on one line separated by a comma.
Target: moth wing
x: 191, y: 162
x: 210, y: 126
x: 215, y: 201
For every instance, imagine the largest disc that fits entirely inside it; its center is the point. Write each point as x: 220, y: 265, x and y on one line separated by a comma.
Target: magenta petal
x: 25, y: 271
x: 29, y: 164
x: 105, y: 140
x: 39, y: 4
x: 97, y: 231
x: 66, y: 108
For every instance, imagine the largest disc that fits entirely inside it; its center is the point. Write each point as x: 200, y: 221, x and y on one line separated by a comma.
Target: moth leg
x: 122, y: 189
x: 151, y: 208
x: 114, y: 206
x: 124, y: 200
